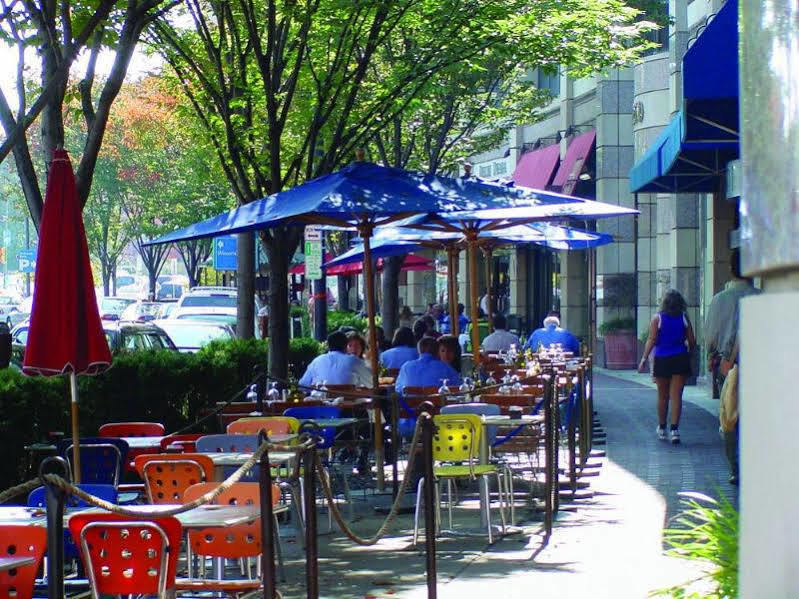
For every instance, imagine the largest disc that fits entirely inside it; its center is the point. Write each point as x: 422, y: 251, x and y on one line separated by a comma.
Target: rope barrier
x: 367, y: 541
x: 69, y: 488
x: 19, y: 489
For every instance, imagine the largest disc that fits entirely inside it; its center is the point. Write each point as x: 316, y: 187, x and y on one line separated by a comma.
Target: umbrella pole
x: 369, y: 281
x: 73, y: 387
x: 474, y: 297
x: 488, y: 255
x: 452, y: 293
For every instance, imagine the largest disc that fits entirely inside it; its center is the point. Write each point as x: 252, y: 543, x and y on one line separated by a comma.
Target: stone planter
x: 621, y: 350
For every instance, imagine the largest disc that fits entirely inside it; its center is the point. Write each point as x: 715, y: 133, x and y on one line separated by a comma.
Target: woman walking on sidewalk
x: 672, y: 337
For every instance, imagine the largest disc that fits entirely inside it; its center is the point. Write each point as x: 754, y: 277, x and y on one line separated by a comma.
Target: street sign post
x: 225, y: 253
x: 313, y: 252
x: 26, y: 260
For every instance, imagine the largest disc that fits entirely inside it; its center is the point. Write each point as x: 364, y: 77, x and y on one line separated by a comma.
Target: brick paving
x: 609, y: 545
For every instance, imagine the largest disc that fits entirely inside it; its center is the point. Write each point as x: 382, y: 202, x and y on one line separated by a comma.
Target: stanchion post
x: 394, y: 444
x: 429, y: 504
x: 267, y: 520
x: 572, y: 432
x: 549, y: 425
x: 258, y: 375
x: 55, y: 498
x: 311, y: 549
x: 555, y: 440
x: 585, y: 420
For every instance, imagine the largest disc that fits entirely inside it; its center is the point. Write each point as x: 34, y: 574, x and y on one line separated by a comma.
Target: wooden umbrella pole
x: 488, y: 255
x: 73, y: 388
x: 452, y: 290
x: 369, y: 281
x: 474, y: 297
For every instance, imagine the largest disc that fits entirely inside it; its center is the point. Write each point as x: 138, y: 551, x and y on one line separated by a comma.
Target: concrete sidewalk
x: 609, y: 545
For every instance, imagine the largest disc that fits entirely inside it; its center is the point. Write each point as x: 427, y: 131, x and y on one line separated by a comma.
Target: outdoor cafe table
x: 143, y: 444
x: 10, y: 563
x: 232, y: 458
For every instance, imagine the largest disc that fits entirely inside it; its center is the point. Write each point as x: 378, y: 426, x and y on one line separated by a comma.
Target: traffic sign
x: 27, y: 260
x: 313, y: 252
x: 225, y: 253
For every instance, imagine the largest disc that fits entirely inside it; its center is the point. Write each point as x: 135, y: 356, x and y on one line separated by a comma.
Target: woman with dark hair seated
x: 403, y: 349
x: 449, y: 351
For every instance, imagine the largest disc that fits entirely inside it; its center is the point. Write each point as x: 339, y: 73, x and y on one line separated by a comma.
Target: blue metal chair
x: 328, y: 434
x: 225, y: 443
x: 101, y: 459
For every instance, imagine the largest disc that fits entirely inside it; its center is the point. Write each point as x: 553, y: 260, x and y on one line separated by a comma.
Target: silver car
x: 191, y: 335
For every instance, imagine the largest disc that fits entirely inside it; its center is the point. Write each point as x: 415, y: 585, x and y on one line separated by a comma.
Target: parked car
x: 140, y: 311
x: 111, y: 308
x: 212, y: 301
x: 131, y: 336
x: 166, y: 308
x: 8, y: 307
x: 191, y: 335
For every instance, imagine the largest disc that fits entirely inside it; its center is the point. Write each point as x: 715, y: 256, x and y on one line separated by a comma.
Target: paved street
x: 609, y: 546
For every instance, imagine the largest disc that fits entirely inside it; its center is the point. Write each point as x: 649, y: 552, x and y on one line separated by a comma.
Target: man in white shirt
x: 500, y: 339
x: 337, y: 367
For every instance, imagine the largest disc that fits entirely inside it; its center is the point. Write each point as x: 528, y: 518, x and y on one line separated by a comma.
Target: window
x: 550, y: 81
x: 485, y: 171
x: 500, y: 168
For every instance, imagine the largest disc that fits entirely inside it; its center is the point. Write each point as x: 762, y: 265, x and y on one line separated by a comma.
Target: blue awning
x: 692, y: 151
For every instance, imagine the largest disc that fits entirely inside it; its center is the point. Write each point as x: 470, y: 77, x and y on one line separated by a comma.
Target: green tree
x: 287, y: 90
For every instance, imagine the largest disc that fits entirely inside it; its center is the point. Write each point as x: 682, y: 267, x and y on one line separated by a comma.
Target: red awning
x: 411, y: 262
x: 535, y: 169
x: 572, y: 165
x: 299, y: 269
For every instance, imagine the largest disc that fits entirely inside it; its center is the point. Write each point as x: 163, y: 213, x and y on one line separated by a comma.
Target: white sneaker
x: 675, y: 436
x: 661, y: 432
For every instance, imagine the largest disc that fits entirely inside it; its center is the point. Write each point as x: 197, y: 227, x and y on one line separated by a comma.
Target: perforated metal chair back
x: 128, y: 557
x: 273, y: 425
x: 101, y: 458
x: 328, y: 433
x: 21, y: 540
x: 241, y: 540
x: 132, y: 429
x: 186, y: 442
x: 475, y: 408
x: 167, y: 476
x: 457, y: 437
x: 226, y: 443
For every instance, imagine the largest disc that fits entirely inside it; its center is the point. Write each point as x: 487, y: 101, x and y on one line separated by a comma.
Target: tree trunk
x: 390, y: 305
x: 279, y: 249
x: 245, y: 274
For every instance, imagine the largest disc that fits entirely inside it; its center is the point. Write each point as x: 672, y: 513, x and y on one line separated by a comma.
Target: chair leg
x: 488, y: 513
x: 511, y: 496
x: 279, y: 551
x: 501, y: 506
x: 419, y: 489
x: 449, y: 501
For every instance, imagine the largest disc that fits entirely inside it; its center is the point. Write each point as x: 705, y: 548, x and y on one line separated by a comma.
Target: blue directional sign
x: 225, y: 253
x: 27, y: 260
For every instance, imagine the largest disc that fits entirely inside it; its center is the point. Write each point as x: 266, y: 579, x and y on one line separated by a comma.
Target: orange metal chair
x: 167, y: 475
x: 127, y: 557
x: 231, y: 542
x: 21, y: 541
x: 132, y: 429
x: 274, y: 425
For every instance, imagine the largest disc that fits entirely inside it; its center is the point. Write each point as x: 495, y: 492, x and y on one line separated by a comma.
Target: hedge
x: 168, y: 387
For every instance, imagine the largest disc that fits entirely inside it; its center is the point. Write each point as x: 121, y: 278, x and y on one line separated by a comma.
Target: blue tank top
x: 671, y: 336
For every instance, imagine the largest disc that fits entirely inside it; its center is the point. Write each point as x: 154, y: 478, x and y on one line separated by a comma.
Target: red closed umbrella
x: 65, y: 335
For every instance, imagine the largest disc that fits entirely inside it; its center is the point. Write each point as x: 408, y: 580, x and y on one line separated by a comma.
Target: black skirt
x: 668, y: 366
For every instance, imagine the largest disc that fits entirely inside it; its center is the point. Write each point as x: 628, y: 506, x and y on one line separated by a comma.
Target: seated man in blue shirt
x: 403, y: 349
x: 552, y: 333
x: 427, y: 370
x: 462, y: 321
x: 337, y: 367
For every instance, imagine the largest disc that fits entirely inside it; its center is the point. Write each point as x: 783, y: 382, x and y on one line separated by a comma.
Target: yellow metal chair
x: 456, y: 444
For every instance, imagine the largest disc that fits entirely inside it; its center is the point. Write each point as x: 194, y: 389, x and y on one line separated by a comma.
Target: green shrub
x: 301, y: 351
x: 707, y: 530
x: 337, y: 319
x: 617, y: 324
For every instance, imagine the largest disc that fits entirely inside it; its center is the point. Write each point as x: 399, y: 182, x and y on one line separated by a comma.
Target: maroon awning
x: 572, y: 165
x: 535, y: 168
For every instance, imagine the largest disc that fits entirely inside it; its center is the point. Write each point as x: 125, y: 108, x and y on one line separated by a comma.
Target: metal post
x: 55, y: 498
x: 572, y: 433
x: 319, y: 290
x: 555, y: 441
x: 395, y: 442
x: 267, y: 521
x: 548, y: 458
x: 429, y: 504
x: 258, y: 376
x: 311, y: 550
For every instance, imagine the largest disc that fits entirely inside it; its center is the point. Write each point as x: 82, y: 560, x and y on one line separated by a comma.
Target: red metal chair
x: 186, y: 442
x: 273, y: 425
x: 132, y: 429
x: 231, y: 542
x: 127, y: 557
x: 167, y: 475
x: 21, y: 541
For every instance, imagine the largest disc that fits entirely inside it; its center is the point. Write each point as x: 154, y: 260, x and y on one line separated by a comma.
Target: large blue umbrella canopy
x: 395, y: 241
x: 362, y: 192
